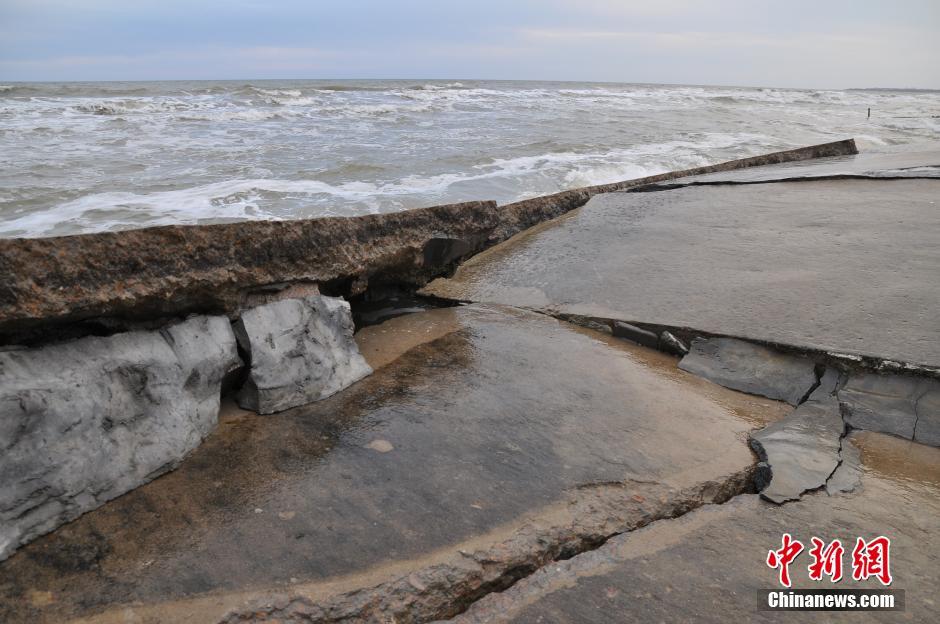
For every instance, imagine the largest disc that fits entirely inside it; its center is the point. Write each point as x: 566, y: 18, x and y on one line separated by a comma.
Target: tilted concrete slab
x: 839, y: 265
x: 511, y: 435
x: 875, y: 165
x: 709, y: 565
x: 751, y: 368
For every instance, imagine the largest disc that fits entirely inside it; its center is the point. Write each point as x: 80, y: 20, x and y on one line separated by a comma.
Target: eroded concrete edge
x: 593, y: 514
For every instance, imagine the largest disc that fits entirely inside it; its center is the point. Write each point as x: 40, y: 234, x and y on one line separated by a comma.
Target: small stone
x: 671, y: 344
x: 382, y: 446
x: 286, y: 515
x: 635, y: 334
x: 258, y: 510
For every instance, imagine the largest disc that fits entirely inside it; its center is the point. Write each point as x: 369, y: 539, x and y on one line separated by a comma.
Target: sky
x: 780, y: 43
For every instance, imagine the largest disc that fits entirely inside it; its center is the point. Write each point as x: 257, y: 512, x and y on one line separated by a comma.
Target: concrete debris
x: 299, y: 350
x: 86, y: 421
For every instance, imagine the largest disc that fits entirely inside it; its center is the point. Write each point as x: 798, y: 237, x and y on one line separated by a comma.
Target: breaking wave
x: 81, y: 157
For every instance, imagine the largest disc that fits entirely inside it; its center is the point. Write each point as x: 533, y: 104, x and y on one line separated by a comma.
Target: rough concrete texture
x: 846, y: 266
x: 153, y: 272
x: 510, y: 440
x: 299, y: 351
x: 904, y: 406
x: 709, y: 565
x: 751, y: 368
x: 802, y: 450
x: 86, y: 421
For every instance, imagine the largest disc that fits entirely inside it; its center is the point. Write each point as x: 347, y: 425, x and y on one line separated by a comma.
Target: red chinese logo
x: 869, y: 559
x: 826, y: 561
x: 784, y: 557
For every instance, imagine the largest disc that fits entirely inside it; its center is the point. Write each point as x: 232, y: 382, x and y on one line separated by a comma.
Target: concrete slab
x: 508, y: 426
x: 839, y: 265
x: 802, y: 450
x: 884, y: 165
x: 751, y: 368
x: 904, y: 406
x: 709, y: 565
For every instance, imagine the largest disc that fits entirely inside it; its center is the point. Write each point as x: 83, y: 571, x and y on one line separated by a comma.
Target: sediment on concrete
x: 114, y: 279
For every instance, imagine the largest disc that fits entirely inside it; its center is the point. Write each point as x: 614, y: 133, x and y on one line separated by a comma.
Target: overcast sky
x: 787, y: 43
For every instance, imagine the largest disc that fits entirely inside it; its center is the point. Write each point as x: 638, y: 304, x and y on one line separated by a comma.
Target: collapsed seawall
x: 116, y: 346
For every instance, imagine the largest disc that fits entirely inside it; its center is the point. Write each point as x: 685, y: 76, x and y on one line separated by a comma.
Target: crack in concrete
x: 845, y: 432
x: 448, y: 588
x: 818, y: 370
x: 655, y: 188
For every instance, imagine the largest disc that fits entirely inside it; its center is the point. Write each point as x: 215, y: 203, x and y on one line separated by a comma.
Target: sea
x: 80, y: 157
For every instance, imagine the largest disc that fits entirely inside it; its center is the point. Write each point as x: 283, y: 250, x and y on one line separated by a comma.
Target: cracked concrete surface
x: 480, y: 441
x: 708, y: 565
x: 752, y: 368
x: 504, y: 465
x: 778, y: 263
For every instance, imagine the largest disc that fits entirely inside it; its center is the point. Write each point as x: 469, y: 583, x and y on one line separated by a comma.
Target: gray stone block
x: 751, y: 368
x: 671, y: 344
x: 635, y: 334
x: 802, y: 450
x: 85, y: 421
x: 300, y: 350
x: 908, y: 407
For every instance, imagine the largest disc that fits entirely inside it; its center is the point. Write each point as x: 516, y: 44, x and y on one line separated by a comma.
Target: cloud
x: 797, y: 43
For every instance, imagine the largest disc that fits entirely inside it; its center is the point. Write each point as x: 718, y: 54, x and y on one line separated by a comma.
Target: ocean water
x: 84, y: 157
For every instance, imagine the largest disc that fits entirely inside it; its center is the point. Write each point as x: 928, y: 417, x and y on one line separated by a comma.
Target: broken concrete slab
x: 802, y: 450
x: 751, y: 368
x: 484, y: 455
x: 86, y: 421
x: 893, y: 404
x: 915, y: 164
x: 299, y: 351
x: 150, y: 273
x: 709, y: 565
x: 785, y: 263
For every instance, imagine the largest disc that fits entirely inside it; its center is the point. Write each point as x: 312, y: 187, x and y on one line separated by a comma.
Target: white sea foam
x: 86, y: 157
